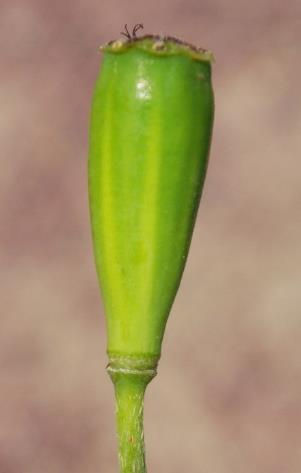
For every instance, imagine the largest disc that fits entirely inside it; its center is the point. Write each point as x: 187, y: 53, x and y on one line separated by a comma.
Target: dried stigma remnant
x: 128, y: 35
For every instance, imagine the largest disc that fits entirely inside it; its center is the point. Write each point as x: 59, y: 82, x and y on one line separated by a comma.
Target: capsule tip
x: 159, y: 45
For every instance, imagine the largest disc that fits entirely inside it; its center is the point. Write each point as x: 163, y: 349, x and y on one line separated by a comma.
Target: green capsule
x: 151, y: 124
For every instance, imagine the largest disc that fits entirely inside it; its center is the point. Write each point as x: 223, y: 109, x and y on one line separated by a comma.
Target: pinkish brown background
x: 228, y: 395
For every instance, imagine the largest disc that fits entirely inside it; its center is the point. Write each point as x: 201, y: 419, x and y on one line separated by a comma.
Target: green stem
x: 130, y: 384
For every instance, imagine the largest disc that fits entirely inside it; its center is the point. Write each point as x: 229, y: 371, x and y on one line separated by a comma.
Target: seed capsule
x: 151, y: 125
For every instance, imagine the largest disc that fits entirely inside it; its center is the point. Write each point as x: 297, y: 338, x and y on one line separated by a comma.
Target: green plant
x: 151, y: 124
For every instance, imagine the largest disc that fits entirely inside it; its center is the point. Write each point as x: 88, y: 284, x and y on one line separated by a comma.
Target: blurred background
x: 227, y: 398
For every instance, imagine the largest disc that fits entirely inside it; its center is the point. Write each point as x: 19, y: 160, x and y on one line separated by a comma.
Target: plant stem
x: 130, y: 385
x: 129, y: 412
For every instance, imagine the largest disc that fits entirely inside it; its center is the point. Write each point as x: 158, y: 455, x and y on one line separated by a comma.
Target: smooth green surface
x: 150, y: 135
